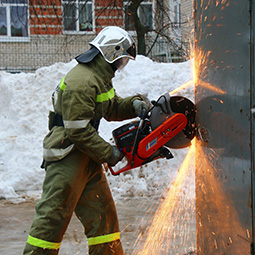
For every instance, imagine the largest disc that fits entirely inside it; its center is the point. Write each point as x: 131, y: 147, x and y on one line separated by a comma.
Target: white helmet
x: 116, y: 45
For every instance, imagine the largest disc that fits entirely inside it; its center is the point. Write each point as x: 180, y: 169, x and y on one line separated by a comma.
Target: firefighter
x: 74, y: 152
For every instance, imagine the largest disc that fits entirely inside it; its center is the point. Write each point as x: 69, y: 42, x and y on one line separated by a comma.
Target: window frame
x: 146, y: 2
x: 9, y: 37
x: 77, y: 31
x: 177, y: 15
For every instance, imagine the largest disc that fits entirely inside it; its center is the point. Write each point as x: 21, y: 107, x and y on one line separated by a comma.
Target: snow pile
x: 25, y: 100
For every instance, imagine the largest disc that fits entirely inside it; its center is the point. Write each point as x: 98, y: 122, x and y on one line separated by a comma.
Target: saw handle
x: 124, y: 169
x: 143, y: 114
x: 137, y: 162
x: 137, y: 136
x: 112, y: 171
x: 115, y: 173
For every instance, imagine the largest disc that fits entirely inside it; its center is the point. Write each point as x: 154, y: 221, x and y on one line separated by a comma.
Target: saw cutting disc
x: 166, y: 107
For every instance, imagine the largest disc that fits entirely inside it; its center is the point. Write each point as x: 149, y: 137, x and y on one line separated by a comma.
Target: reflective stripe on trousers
x: 104, y: 239
x: 91, y: 241
x: 42, y: 244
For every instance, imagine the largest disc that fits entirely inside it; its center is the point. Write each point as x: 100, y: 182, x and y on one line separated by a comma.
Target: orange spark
x: 165, y: 233
x: 211, y: 87
x: 182, y: 87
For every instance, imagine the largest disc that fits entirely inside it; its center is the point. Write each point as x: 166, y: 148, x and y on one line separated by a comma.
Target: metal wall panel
x: 224, y: 154
x: 252, y: 98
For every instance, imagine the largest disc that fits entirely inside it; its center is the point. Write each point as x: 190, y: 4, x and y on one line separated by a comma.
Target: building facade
x: 37, y: 33
x: 187, y: 25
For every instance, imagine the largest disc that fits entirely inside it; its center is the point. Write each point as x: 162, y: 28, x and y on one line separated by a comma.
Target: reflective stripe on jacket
x: 85, y: 94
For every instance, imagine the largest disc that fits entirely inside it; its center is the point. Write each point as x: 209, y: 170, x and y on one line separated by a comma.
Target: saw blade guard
x: 165, y: 107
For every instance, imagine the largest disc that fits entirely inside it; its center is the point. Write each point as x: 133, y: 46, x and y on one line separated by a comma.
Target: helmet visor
x: 132, y: 51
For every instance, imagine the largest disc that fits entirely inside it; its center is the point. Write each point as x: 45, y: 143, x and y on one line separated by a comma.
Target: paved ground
x: 135, y: 215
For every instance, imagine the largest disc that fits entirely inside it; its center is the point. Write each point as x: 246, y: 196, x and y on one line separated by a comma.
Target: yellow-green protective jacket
x: 85, y: 94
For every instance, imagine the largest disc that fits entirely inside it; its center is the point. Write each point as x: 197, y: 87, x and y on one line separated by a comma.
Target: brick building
x: 35, y: 33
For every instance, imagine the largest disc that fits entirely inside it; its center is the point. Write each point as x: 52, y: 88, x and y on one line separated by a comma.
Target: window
x: 177, y: 15
x: 145, y: 13
x: 77, y: 16
x: 13, y: 19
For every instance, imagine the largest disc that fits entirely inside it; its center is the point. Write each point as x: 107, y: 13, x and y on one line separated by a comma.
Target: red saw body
x: 169, y: 124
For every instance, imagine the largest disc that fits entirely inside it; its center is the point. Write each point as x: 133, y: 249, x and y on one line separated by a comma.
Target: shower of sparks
x: 200, y: 72
x: 170, y: 231
x: 217, y: 217
x: 182, y: 87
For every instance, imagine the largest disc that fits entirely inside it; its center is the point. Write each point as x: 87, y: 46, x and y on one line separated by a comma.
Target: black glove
x: 139, y: 105
x: 116, y: 156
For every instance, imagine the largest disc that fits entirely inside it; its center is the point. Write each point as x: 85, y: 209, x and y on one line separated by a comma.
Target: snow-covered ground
x: 25, y: 100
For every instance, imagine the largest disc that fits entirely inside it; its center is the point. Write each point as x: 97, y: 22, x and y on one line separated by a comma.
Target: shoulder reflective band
x: 62, y: 85
x: 42, y: 244
x: 76, y: 123
x: 104, y: 239
x: 105, y: 96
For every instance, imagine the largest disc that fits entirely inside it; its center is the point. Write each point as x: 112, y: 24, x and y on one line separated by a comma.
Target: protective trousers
x: 75, y: 184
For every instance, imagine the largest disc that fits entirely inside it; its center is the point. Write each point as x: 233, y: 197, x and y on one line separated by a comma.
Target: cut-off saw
x: 170, y: 123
